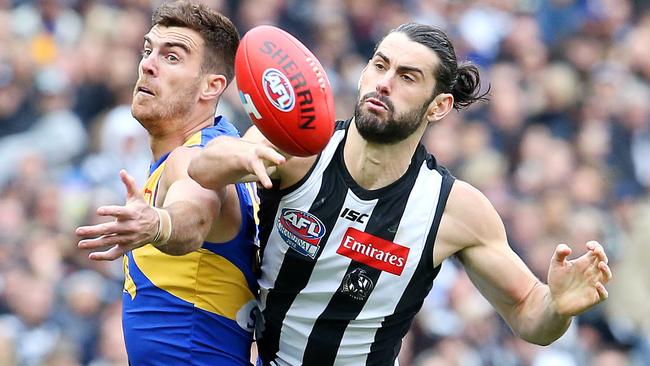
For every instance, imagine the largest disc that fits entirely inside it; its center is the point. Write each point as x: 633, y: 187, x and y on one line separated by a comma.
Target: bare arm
x: 537, y: 312
x: 228, y: 160
x: 192, y: 208
x: 189, y: 208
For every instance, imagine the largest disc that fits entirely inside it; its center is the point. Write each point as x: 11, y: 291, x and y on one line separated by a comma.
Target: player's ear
x: 213, y: 86
x: 439, y: 107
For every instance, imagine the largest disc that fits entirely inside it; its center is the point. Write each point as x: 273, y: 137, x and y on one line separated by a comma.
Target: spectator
x: 561, y: 151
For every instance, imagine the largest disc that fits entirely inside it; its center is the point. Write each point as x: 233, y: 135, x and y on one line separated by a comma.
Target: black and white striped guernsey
x: 344, y: 269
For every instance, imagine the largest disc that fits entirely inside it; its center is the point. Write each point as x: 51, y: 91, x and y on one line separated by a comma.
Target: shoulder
x: 177, y: 163
x: 469, y: 220
x: 464, y: 196
x: 221, y: 127
x: 470, y: 205
x: 182, y: 155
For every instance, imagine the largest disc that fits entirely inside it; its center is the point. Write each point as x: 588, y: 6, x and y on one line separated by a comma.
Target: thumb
x: 132, y: 190
x: 562, y: 251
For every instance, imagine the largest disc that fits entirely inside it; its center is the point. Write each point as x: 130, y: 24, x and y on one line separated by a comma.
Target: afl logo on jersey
x: 278, y: 90
x: 357, y: 284
x: 301, y: 230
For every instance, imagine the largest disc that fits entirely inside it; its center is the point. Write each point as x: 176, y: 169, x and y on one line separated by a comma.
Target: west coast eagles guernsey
x: 344, y: 269
x: 193, y: 309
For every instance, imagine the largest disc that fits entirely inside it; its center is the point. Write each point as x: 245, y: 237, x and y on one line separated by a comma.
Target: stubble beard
x: 394, y: 129
x: 159, y: 112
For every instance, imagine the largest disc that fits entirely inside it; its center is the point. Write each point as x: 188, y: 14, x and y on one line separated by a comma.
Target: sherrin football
x: 284, y: 90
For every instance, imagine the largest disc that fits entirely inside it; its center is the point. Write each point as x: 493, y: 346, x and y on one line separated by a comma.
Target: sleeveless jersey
x: 345, y: 269
x: 193, y: 309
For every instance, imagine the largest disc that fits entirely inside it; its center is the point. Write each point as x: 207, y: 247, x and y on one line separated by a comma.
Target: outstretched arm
x: 253, y: 158
x: 227, y: 160
x: 537, y: 312
x: 179, y: 227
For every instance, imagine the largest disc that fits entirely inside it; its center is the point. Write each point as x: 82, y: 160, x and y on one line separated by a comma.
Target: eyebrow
x: 401, y: 68
x: 169, y: 44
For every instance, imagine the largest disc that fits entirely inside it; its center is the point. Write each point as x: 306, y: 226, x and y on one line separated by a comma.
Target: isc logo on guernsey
x: 301, y: 230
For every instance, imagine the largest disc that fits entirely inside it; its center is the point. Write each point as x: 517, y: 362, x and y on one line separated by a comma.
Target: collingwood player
x: 353, y: 238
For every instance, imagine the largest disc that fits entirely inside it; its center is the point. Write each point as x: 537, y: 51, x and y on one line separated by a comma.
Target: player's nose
x: 149, y: 65
x: 383, y: 86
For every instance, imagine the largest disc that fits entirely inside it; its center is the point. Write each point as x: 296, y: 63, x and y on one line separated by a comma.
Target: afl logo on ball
x: 278, y: 90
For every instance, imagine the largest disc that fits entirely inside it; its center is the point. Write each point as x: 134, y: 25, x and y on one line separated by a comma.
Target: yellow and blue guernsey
x: 194, y: 309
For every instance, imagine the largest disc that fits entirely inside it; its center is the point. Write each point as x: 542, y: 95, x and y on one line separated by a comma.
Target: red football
x: 285, y: 91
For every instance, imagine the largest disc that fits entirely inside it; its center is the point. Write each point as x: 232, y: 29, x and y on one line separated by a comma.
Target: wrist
x: 557, y: 306
x: 164, y: 230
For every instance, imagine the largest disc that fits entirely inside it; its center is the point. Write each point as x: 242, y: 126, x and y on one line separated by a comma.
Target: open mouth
x: 142, y: 89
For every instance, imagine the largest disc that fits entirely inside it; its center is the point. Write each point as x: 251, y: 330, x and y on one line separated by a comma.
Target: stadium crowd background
x: 562, y: 150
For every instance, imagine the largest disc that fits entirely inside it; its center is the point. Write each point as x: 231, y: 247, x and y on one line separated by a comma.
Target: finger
x: 260, y: 171
x: 562, y: 251
x: 605, y: 270
x: 130, y: 184
x: 113, y: 253
x: 270, y: 155
x: 602, y: 291
x: 107, y: 228
x: 598, y: 250
x: 98, y: 243
x: 115, y: 211
x: 105, y: 241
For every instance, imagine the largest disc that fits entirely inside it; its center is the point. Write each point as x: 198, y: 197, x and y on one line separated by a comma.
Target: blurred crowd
x: 562, y: 150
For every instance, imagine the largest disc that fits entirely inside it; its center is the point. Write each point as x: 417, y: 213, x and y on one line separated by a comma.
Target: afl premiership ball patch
x: 301, y: 230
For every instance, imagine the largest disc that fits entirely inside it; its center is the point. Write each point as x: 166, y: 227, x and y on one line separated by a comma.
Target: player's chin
x: 375, y: 117
x: 142, y: 113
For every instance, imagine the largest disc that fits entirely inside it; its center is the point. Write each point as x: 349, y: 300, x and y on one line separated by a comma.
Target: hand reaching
x: 135, y: 224
x: 577, y: 285
x: 260, y: 160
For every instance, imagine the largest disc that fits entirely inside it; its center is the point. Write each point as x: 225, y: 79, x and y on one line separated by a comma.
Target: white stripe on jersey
x: 383, y: 299
x: 299, y: 199
x: 412, y: 229
x: 323, y: 283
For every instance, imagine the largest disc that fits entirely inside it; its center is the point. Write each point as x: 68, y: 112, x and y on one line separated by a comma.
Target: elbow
x: 178, y: 249
x: 171, y: 250
x: 540, y: 341
x: 184, y: 246
x: 542, y: 337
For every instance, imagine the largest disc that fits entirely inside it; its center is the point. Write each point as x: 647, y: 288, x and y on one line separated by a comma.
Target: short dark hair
x: 218, y: 32
x: 462, y: 81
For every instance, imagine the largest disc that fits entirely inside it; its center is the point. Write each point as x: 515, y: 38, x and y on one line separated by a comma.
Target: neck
x: 166, y: 141
x: 375, y: 166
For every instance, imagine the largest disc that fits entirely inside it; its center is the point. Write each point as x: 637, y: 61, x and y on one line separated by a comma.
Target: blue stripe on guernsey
x: 193, y: 309
x: 162, y: 329
x: 232, y: 249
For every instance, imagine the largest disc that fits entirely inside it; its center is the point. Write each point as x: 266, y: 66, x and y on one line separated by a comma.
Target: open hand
x: 260, y: 161
x: 135, y: 224
x: 577, y: 285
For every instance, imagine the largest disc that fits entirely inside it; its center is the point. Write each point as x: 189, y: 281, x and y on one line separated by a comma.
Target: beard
x: 154, y: 113
x: 394, y: 129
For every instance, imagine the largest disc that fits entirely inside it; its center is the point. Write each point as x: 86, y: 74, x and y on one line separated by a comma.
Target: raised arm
x: 537, y: 312
x: 227, y: 160
x: 179, y: 226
